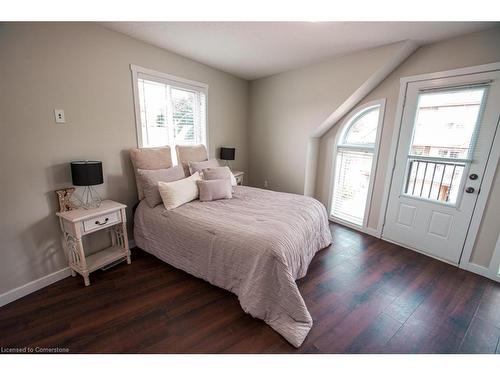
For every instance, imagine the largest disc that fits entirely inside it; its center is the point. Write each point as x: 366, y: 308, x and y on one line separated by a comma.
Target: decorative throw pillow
x: 214, y: 189
x: 176, y: 193
x: 219, y: 173
x: 149, y: 178
x: 190, y: 153
x: 149, y: 158
x: 199, y: 166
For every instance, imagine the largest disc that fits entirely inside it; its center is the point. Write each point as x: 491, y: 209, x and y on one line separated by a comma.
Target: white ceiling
x: 257, y: 49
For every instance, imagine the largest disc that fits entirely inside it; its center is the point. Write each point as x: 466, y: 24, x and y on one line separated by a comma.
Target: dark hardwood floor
x: 365, y: 296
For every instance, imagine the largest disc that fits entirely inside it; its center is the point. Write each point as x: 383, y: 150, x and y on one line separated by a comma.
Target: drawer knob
x: 97, y: 222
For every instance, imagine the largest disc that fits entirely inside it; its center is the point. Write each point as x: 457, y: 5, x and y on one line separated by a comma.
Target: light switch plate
x: 59, y: 114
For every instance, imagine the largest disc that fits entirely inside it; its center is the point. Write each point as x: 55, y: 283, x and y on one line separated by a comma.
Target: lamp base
x: 90, y: 198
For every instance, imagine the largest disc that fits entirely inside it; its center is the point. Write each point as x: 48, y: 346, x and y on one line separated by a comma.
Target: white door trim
x: 482, y: 200
x: 453, y: 73
x: 495, y: 262
x: 489, y: 172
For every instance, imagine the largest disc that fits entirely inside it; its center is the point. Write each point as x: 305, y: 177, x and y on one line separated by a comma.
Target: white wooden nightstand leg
x: 86, y: 279
x: 66, y: 247
x: 125, y: 235
x: 125, y: 241
x: 69, y: 250
x: 83, y: 261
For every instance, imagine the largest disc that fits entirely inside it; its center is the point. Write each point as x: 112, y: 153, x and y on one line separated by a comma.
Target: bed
x: 256, y: 245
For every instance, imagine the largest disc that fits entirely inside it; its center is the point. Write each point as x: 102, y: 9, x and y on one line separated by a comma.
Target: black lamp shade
x: 86, y: 173
x: 227, y: 153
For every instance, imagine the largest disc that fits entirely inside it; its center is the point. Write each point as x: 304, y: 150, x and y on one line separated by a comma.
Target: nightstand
x: 77, y: 223
x: 239, y: 177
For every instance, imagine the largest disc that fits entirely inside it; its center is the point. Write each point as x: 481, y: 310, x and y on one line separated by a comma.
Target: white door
x: 446, y: 135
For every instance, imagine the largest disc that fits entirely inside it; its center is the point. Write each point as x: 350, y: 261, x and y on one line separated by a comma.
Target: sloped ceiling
x: 252, y: 50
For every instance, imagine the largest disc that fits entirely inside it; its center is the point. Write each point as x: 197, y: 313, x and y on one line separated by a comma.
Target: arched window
x: 354, y: 164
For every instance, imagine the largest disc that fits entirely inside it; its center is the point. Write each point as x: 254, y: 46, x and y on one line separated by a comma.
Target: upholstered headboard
x: 185, y: 154
x: 149, y: 158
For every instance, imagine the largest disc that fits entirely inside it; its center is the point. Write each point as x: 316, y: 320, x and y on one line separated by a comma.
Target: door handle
x: 469, y: 190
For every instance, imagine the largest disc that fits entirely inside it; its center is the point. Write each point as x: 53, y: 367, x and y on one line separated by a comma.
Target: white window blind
x: 353, y: 166
x: 351, y: 185
x: 171, y: 113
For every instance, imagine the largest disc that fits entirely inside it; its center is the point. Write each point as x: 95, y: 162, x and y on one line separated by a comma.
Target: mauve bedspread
x: 255, y: 245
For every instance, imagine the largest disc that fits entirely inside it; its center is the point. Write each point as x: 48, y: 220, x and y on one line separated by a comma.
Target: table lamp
x: 227, y: 153
x: 88, y: 173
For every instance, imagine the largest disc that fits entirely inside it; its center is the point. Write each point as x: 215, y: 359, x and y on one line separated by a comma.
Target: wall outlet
x: 59, y: 114
x: 266, y: 185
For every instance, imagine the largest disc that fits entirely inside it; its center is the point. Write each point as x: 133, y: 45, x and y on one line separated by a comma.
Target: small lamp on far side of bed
x: 87, y: 173
x: 227, y: 153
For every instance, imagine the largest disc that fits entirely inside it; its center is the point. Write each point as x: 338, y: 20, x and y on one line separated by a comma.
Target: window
x: 443, y: 139
x: 170, y: 110
x: 354, y: 164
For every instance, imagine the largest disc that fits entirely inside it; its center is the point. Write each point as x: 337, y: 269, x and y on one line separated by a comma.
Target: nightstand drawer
x: 101, y: 221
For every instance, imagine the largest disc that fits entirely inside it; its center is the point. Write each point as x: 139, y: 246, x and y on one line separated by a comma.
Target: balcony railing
x: 434, y: 180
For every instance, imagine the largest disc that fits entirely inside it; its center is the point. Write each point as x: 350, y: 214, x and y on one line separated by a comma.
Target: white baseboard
x: 40, y: 283
x: 471, y: 267
x: 33, y: 286
x: 371, y: 231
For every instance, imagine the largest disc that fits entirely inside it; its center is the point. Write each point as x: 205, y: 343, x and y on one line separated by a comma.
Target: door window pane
x: 445, y: 122
x: 445, y: 127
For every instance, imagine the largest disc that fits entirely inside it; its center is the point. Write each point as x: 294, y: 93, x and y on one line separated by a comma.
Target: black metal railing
x: 433, y: 180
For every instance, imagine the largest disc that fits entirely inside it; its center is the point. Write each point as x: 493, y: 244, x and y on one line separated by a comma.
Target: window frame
x: 374, y: 150
x: 139, y: 72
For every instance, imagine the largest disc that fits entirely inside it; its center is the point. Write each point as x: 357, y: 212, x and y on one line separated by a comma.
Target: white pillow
x: 233, y: 180
x: 176, y: 193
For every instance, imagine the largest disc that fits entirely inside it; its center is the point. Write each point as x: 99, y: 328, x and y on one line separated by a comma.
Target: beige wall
x: 473, y: 49
x: 287, y: 107
x: 84, y: 69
